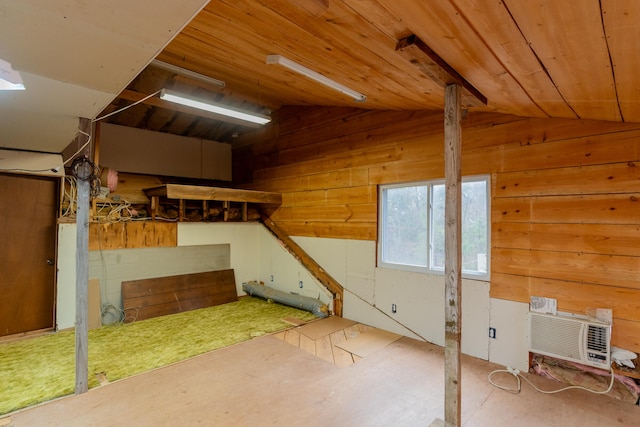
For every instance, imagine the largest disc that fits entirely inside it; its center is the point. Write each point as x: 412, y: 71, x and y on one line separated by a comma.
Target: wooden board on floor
x: 293, y: 321
x: 327, y: 326
x: 369, y: 342
x: 146, y: 298
x: 95, y: 315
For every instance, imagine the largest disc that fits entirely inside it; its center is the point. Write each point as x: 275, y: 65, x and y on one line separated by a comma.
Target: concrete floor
x: 267, y: 382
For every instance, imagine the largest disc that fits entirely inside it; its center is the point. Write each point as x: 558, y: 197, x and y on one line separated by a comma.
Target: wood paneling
x: 132, y: 234
x: 565, y: 194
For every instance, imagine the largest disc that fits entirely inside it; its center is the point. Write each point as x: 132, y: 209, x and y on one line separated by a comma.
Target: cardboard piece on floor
x: 293, y: 321
x: 94, y: 320
x: 322, y: 327
x: 369, y: 342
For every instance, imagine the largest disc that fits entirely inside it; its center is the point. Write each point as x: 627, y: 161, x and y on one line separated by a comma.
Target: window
x: 412, y: 227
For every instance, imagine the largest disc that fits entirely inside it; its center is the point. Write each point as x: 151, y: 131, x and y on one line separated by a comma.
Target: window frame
x: 429, y: 268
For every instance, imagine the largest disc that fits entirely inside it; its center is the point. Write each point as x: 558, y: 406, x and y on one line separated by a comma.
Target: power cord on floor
x: 516, y: 373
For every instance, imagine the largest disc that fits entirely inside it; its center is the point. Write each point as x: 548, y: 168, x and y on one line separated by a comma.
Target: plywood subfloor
x: 337, y: 340
x: 267, y: 382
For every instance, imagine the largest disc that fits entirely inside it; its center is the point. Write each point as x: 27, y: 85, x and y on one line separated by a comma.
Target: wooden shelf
x: 225, y: 196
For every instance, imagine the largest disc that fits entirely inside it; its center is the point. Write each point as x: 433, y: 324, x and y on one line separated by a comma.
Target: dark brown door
x: 27, y: 253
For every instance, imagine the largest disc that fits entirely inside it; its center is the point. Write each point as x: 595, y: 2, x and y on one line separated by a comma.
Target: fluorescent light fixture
x: 9, y: 78
x: 172, y: 96
x: 294, y: 66
x: 188, y: 73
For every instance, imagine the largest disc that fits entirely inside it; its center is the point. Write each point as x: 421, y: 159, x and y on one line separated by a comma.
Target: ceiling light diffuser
x: 187, y: 73
x: 172, y: 96
x: 9, y: 78
x: 301, y: 69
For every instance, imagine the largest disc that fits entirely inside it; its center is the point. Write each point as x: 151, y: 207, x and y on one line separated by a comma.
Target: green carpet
x: 39, y: 369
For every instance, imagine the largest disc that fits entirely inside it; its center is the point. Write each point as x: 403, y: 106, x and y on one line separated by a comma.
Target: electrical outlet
x: 272, y: 277
x: 394, y: 308
x: 300, y: 284
x: 492, y: 333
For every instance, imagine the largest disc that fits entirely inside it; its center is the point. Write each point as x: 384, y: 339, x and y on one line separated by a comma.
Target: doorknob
x: 50, y: 261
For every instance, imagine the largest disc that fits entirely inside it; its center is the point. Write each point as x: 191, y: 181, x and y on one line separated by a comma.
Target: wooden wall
x: 565, y: 193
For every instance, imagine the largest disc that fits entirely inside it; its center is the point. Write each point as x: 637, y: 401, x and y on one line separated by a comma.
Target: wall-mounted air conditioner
x: 573, y: 339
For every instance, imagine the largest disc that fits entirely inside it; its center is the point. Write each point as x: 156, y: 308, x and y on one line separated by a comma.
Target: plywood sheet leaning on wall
x: 146, y: 298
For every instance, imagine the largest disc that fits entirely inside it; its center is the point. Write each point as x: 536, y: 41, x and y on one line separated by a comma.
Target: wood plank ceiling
x: 546, y: 58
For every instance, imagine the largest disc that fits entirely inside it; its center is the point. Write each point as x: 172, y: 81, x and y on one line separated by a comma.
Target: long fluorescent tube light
x: 187, y: 73
x: 294, y: 66
x: 172, y: 96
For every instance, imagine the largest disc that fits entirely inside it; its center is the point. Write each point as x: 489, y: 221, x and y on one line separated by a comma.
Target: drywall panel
x: 243, y: 238
x: 329, y: 253
x: 419, y: 303
x: 133, y: 150
x: 355, y: 308
x: 75, y: 57
x: 361, y: 271
x: 418, y: 300
x: 475, y: 318
x: 32, y: 163
x: 216, y: 160
x: 280, y: 270
x: 127, y: 149
x: 66, y: 280
x: 99, y: 45
x: 350, y: 262
x: 510, y: 346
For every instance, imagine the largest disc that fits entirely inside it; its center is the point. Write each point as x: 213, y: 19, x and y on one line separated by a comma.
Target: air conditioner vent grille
x: 597, y: 338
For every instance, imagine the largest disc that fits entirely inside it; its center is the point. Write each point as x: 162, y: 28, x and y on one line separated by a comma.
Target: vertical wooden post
x: 453, y: 261
x: 82, y: 279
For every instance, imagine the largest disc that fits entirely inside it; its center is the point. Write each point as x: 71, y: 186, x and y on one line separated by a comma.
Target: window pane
x: 437, y: 226
x: 404, y: 233
x: 474, y: 226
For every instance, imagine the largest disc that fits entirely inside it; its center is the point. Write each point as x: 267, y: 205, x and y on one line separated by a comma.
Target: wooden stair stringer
x: 331, y: 284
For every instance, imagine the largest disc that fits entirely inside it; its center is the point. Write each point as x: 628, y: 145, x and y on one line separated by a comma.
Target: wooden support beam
x: 453, y: 254
x: 82, y: 278
x: 155, y: 206
x: 309, y: 263
x: 438, y: 70
x: 225, y: 210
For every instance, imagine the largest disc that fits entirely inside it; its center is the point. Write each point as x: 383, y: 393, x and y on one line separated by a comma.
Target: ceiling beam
x: 437, y: 69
